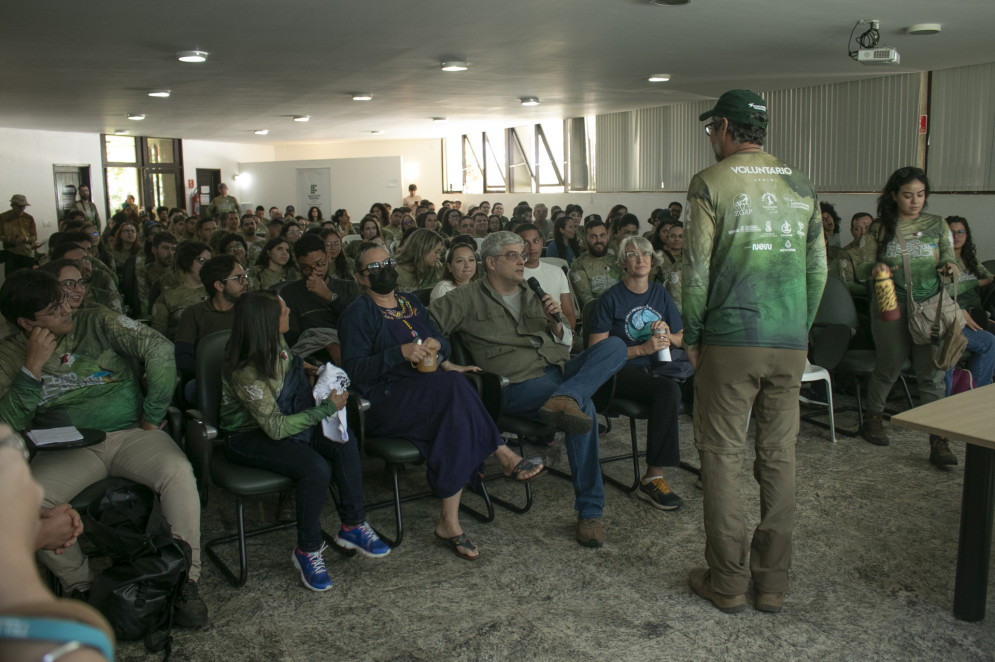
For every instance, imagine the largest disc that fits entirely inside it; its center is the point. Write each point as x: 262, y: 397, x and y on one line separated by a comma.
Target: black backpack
x: 138, y: 592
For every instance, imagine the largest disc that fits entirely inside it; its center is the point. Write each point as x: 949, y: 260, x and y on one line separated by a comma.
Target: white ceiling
x: 85, y: 66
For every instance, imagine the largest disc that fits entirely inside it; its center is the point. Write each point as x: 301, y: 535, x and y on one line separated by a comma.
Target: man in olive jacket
x: 509, y: 331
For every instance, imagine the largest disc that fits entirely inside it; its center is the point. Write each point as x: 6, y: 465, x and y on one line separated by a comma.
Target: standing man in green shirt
x: 755, y: 267
x: 223, y: 203
x: 18, y: 233
x: 90, y: 212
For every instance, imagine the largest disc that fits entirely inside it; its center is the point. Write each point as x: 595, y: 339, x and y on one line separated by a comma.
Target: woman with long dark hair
x: 564, y: 244
x: 275, y: 264
x: 900, y: 211
x: 272, y: 423
x: 384, y: 334
x: 314, y: 215
x: 339, y: 266
x: 973, y: 278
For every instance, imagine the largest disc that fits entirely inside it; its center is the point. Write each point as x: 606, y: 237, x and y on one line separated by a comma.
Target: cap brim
x: 705, y: 115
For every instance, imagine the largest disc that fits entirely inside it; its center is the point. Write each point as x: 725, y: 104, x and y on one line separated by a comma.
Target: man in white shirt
x: 551, y: 278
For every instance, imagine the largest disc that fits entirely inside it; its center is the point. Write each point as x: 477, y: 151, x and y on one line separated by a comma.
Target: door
x: 208, y: 181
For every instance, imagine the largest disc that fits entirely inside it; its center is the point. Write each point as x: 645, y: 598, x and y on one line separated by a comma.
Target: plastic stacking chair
x: 208, y: 458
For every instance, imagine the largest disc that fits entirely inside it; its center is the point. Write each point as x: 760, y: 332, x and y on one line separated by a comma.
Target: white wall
x: 355, y: 183
x: 26, y: 160
x: 221, y: 156
x: 421, y: 162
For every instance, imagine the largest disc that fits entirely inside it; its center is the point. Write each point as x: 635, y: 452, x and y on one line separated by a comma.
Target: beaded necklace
x: 402, y: 312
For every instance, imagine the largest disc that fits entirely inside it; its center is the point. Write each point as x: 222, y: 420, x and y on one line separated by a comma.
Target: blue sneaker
x: 312, y: 567
x: 363, y: 539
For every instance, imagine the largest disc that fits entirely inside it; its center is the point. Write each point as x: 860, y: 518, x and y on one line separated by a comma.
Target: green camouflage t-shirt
x: 754, y: 257
x: 930, y: 245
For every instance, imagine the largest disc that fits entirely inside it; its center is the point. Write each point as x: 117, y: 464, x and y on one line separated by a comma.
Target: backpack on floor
x: 138, y: 592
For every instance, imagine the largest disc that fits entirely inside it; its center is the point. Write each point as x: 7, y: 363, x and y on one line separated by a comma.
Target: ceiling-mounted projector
x: 881, y: 55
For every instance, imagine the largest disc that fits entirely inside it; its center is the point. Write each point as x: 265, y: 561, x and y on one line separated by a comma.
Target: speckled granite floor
x: 872, y: 579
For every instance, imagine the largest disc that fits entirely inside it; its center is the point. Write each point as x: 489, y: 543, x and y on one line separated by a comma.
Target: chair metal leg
x: 634, y: 456
x: 240, y: 537
x: 832, y: 418
x: 480, y: 489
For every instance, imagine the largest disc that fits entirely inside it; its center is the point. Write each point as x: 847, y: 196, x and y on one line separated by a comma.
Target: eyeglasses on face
x: 514, y: 256
x: 235, y: 248
x: 960, y: 232
x: 634, y: 255
x: 240, y: 278
x: 294, y: 233
x: 373, y: 268
x: 73, y: 283
x: 712, y: 127
x: 201, y: 260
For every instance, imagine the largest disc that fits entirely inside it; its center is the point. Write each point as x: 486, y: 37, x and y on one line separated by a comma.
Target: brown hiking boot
x: 590, y: 532
x: 939, y: 452
x: 563, y: 413
x: 873, y: 430
x: 772, y: 603
x: 700, y: 581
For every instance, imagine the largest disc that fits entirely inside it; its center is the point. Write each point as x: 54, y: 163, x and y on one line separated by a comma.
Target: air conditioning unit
x: 878, y: 56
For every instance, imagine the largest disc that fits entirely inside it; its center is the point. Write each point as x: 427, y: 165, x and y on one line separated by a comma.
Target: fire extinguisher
x: 195, y: 204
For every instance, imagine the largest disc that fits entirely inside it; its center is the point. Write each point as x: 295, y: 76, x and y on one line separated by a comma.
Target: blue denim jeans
x: 313, y: 466
x: 982, y: 364
x: 580, y: 378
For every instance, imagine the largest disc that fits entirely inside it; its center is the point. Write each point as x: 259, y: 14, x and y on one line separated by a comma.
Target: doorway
x: 68, y: 179
x: 208, y: 181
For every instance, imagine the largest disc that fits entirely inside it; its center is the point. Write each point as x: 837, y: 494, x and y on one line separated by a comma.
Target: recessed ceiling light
x: 376, y: 133
x: 440, y: 119
x: 530, y: 101
x: 302, y: 118
x: 454, y: 65
x: 659, y: 78
x: 192, y: 56
x: 120, y: 132
x: 362, y: 96
x: 136, y: 116
x: 161, y: 94
x: 924, y: 28
x: 261, y: 132
x: 670, y: 3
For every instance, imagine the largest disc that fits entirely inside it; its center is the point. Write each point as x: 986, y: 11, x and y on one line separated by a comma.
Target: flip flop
x: 462, y: 541
x: 523, y: 466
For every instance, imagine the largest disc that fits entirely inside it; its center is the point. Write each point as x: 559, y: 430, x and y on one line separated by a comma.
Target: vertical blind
x: 962, y: 135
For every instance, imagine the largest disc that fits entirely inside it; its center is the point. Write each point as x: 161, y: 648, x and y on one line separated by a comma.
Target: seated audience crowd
x: 103, y: 332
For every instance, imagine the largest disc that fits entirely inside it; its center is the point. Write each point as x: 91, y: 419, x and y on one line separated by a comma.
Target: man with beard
x: 225, y: 282
x: 161, y: 266
x: 754, y: 270
x: 248, y: 226
x: 596, y: 270
x: 84, y: 205
x: 316, y: 302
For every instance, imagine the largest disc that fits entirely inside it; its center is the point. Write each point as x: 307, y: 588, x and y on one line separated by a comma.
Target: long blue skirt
x: 442, y: 415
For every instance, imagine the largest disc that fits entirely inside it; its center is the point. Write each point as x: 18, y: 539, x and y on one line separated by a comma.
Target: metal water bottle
x: 661, y: 355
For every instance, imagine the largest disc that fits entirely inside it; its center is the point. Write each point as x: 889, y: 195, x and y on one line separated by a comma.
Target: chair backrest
x: 834, y: 326
x: 349, y: 238
x: 585, y: 328
x: 210, y: 358
x: 989, y: 265
x: 423, y: 294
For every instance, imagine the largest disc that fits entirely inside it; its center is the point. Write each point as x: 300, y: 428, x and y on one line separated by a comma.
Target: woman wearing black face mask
x: 383, y: 335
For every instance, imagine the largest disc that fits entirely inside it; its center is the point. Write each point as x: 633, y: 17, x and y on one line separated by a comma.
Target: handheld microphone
x: 534, y: 285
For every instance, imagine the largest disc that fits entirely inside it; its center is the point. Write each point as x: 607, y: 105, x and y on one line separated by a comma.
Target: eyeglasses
x: 711, y: 128
x: 960, y: 232
x: 201, y: 260
x: 294, y: 233
x: 373, y: 268
x: 513, y: 256
x: 308, y: 269
x: 72, y: 284
x: 235, y: 248
x: 633, y: 255
x: 240, y: 278
x: 329, y: 244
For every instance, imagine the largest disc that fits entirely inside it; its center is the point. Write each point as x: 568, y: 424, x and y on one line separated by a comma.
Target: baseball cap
x: 19, y: 200
x: 739, y: 106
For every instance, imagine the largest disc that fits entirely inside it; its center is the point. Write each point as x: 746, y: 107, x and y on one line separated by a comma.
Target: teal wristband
x: 57, y: 630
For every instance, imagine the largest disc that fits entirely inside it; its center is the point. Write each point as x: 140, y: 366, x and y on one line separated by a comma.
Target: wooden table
x: 967, y: 417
